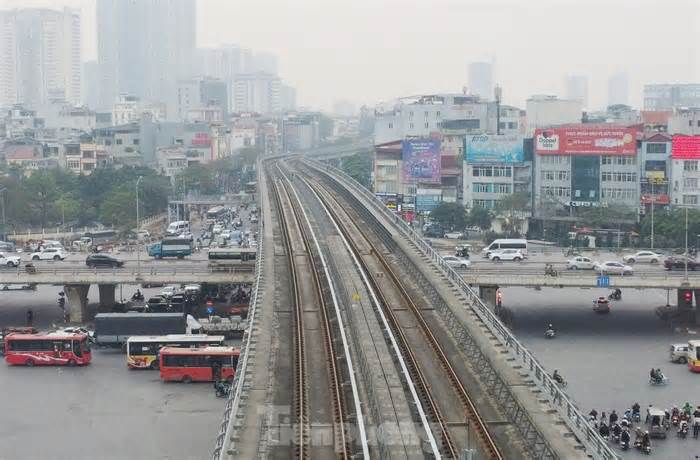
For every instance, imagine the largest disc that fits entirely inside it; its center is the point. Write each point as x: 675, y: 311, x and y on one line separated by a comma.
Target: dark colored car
x: 103, y: 260
x: 678, y: 263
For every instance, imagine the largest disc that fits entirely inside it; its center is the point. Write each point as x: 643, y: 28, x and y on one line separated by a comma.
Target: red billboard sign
x: 685, y: 148
x: 586, y: 140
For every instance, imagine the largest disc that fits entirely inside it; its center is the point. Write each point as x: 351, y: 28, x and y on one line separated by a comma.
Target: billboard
x: 586, y: 140
x: 421, y: 160
x: 685, y: 148
x: 427, y: 203
x: 484, y: 148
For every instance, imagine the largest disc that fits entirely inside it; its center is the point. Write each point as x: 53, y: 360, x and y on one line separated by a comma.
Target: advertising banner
x: 586, y: 140
x: 421, y: 160
x: 427, y: 202
x: 484, y: 148
x: 685, y: 148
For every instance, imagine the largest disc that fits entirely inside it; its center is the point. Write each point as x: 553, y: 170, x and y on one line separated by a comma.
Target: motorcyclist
x: 683, y: 428
x: 687, y: 408
x: 604, y: 430
x: 625, y: 436
x: 696, y: 422
x: 617, y: 430
x: 557, y: 377
x: 137, y: 295
x: 646, y: 440
x: 675, y: 415
x: 613, y: 417
x: 550, y: 330
x: 636, y: 410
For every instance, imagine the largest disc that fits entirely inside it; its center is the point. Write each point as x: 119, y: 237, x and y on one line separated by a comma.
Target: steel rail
x: 403, y: 352
x: 359, y: 416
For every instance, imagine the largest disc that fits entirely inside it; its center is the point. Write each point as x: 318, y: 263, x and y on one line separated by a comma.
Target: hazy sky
x: 372, y: 50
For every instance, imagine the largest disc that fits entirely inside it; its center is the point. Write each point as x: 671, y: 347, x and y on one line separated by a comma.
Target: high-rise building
x: 257, y: 92
x: 288, y: 98
x: 671, y: 96
x: 577, y: 88
x: 263, y: 62
x: 481, y: 79
x: 90, y: 90
x: 199, y: 93
x: 40, y: 56
x: 144, y: 47
x: 618, y: 91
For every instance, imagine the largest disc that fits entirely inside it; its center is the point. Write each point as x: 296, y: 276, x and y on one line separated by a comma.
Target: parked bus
x: 50, y: 349
x: 198, y: 364
x: 228, y: 257
x: 215, y: 213
x: 694, y: 355
x: 142, y: 350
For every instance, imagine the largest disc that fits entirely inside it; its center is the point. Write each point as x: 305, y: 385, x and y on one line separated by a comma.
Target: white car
x: 457, y: 262
x: 217, y: 229
x: 612, y: 267
x: 169, y: 291
x: 226, y: 234
x: 10, y: 261
x: 49, y: 254
x: 580, y: 263
x: 454, y: 235
x: 506, y: 254
x: 642, y: 256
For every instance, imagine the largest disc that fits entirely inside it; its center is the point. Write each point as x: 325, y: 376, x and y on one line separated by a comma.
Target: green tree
x: 451, y: 216
x: 201, y: 178
x: 42, y: 191
x: 359, y: 167
x: 480, y: 217
x: 514, y: 209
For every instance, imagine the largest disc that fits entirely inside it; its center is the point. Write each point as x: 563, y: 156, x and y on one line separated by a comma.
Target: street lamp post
x: 686, y: 243
x: 4, y: 226
x: 138, y: 228
x: 653, y: 198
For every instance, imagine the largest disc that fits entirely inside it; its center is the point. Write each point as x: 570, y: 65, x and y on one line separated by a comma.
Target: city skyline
x: 320, y: 48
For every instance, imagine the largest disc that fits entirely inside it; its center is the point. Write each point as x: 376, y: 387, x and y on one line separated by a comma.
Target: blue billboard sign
x: 484, y: 148
x: 426, y: 203
x: 421, y: 160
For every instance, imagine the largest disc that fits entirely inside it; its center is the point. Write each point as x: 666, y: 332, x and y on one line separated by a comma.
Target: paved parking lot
x: 103, y: 410
x: 606, y: 358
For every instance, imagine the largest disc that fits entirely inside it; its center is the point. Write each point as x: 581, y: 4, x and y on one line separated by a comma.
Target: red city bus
x: 198, y: 364
x: 44, y: 350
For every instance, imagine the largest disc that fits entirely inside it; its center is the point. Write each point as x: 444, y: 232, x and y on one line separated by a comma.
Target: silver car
x: 457, y: 262
x: 580, y: 263
x: 679, y: 353
x: 612, y: 267
x: 642, y: 256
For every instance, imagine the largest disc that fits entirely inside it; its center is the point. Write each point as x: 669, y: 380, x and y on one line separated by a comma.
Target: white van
x: 499, y: 244
x: 177, y: 227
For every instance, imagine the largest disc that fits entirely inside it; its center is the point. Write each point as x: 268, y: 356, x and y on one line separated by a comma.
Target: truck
x: 94, y: 239
x: 228, y: 327
x: 113, y: 329
x: 171, y: 247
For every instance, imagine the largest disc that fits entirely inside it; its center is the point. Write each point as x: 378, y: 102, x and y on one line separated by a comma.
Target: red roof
x: 20, y: 152
x: 657, y: 137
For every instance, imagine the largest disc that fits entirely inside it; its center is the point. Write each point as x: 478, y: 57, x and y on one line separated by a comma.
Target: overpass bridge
x: 525, y: 275
x: 77, y: 279
x: 540, y: 417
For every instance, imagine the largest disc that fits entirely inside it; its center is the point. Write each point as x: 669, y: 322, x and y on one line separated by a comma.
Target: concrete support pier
x: 487, y: 293
x: 107, y: 297
x: 76, y: 301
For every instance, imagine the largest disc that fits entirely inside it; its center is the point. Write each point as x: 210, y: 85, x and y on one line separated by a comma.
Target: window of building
x: 410, y: 114
x: 427, y: 114
x: 437, y: 114
x: 656, y: 147
x: 502, y: 171
x: 482, y: 171
x: 411, y: 125
x: 690, y: 165
x: 512, y: 125
x: 108, y: 142
x: 480, y: 187
x: 411, y: 189
x: 502, y: 125
x: 427, y: 125
x: 488, y: 204
x: 561, y: 192
x: 118, y: 141
x: 690, y: 199
x: 391, y: 126
x: 690, y: 182
x: 437, y: 125
x: 503, y: 188
x: 136, y: 142
x: 547, y: 175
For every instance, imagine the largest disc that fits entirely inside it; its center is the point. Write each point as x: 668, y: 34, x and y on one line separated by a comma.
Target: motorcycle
x: 549, y: 334
x: 615, y: 295
x: 625, y: 440
x: 641, y: 447
x: 222, y: 389
x: 683, y: 431
x: 550, y: 271
x: 675, y: 419
x: 659, y: 382
x: 138, y: 297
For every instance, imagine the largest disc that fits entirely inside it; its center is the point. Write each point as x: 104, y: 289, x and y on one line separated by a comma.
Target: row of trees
x: 108, y: 195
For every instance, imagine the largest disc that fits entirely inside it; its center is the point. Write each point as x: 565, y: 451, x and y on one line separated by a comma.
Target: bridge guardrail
x: 135, y: 271
x: 596, y: 446
x: 223, y: 438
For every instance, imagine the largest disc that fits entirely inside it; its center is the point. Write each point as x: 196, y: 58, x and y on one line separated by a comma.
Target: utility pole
x: 686, y: 243
x: 4, y: 223
x: 138, y: 228
x: 653, y: 198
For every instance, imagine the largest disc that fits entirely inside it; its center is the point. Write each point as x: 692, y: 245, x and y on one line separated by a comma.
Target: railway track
x: 428, y: 401
x: 329, y: 395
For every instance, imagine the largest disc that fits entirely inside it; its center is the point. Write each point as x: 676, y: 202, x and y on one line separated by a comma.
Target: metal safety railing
x: 233, y: 403
x: 595, y: 445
